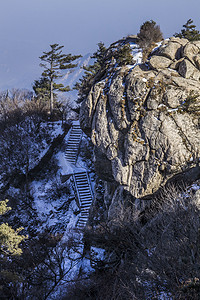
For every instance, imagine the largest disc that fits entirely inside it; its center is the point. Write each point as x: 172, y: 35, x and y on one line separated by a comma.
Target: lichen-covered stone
x: 172, y: 50
x: 188, y: 70
x: 190, y: 50
x: 159, y: 62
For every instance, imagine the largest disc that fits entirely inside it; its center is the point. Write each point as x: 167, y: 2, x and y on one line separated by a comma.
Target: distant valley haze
x: 27, y: 28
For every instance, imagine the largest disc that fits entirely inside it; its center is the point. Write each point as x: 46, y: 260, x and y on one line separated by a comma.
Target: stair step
x: 72, y: 149
x: 71, y: 158
x: 86, y: 203
x: 83, y: 222
x: 81, y: 177
x: 82, y: 194
x: 84, y: 199
x: 82, y: 185
x: 84, y: 189
x: 71, y: 152
x: 86, y: 206
x: 83, y: 218
x: 80, y: 173
x: 75, y: 133
x: 81, y: 182
x: 72, y: 144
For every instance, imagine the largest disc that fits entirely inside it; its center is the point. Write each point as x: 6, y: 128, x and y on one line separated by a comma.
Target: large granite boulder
x: 146, y: 120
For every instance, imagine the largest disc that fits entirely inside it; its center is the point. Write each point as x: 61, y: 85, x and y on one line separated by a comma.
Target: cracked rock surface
x: 145, y: 120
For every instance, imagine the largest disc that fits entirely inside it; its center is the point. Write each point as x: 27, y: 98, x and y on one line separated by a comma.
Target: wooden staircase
x: 73, y: 143
x: 81, y: 179
x: 84, y: 194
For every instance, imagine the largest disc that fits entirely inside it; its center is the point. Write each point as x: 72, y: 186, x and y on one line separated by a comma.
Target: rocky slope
x: 144, y: 119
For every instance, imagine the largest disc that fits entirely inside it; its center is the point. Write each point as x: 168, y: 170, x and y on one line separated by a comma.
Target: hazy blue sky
x: 27, y: 27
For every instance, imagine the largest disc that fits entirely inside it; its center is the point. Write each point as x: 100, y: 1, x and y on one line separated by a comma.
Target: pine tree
x: 85, y: 83
x: 189, y: 32
x: 53, y: 62
x: 124, y: 55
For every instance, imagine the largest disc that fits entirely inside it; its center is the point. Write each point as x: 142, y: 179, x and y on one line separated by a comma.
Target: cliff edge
x: 144, y: 118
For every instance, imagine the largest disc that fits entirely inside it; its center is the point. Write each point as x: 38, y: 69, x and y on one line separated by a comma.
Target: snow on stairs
x: 84, y: 193
x: 73, y: 143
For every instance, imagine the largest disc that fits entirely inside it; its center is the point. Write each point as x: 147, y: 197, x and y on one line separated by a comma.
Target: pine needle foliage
x: 189, y: 32
x: 124, y: 55
x: 86, y: 82
x: 9, y: 238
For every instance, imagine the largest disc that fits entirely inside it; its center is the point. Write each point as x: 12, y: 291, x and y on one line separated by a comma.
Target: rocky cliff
x: 144, y: 119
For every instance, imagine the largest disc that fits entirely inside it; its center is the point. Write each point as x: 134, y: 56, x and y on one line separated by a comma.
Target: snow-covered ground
x: 56, y: 208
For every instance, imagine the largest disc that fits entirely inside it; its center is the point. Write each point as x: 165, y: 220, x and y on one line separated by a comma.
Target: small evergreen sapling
x: 189, y: 32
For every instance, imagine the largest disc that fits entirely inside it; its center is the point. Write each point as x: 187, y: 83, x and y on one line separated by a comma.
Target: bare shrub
x: 46, y: 263
x: 145, y: 261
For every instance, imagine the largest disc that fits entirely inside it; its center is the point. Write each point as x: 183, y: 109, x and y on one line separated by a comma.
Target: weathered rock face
x: 146, y: 120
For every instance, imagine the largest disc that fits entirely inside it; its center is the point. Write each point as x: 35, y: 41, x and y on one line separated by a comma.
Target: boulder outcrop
x: 145, y: 120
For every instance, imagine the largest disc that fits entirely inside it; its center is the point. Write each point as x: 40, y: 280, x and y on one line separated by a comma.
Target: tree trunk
x: 51, y: 98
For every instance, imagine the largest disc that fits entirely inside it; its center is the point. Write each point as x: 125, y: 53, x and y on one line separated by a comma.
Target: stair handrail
x: 78, y: 147
x: 90, y: 185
